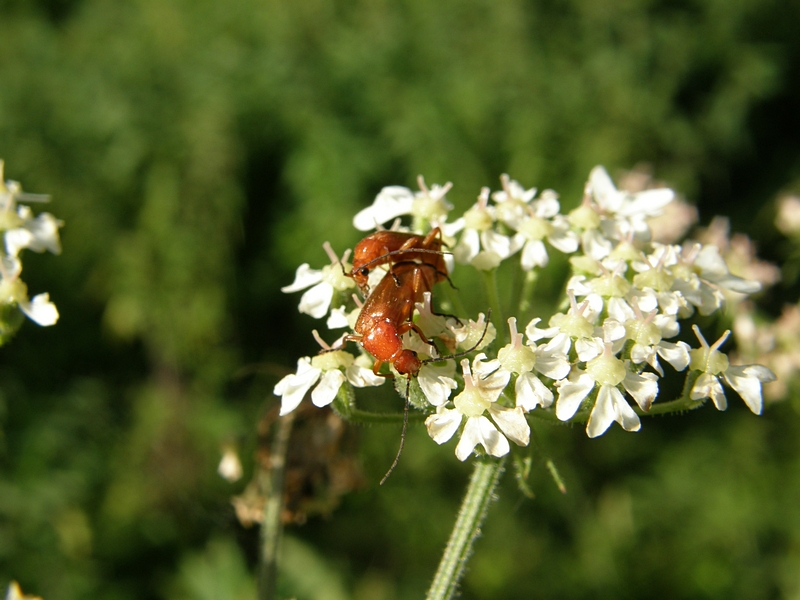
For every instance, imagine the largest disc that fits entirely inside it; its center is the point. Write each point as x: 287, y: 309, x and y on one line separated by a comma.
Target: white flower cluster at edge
x: 22, y: 230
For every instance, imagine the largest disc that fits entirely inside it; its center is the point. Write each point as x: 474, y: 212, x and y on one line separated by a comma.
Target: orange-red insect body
x: 392, y: 247
x: 387, y: 314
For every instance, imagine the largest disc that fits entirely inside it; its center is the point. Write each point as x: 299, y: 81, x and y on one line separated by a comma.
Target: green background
x: 199, y: 151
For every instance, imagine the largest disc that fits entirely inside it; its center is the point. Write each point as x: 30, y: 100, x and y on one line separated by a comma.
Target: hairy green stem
x: 271, y: 484
x: 471, y: 515
x: 528, y: 285
x: 498, y: 317
x: 345, y: 406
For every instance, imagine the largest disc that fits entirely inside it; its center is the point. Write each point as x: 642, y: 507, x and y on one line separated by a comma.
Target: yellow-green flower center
x: 329, y: 361
x: 478, y: 219
x: 536, y: 228
x: 471, y: 403
x: 517, y: 359
x: 575, y: 326
x: 335, y: 276
x: 428, y: 209
x: 708, y: 361
x: 13, y: 291
x: 611, y: 285
x: 584, y: 217
x: 656, y: 279
x: 646, y: 334
x: 606, y: 370
x: 9, y: 220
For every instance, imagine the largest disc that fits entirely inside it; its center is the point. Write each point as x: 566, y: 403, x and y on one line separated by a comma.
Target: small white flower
x: 479, y: 244
x: 13, y: 290
x: 646, y: 332
x: 745, y: 379
x: 512, y: 202
x: 566, y: 329
x: 322, y: 283
x: 22, y: 229
x: 535, y: 221
x: 522, y: 359
x: 470, y: 333
x: 479, y: 397
x: 436, y: 381
x: 331, y: 369
x: 394, y: 201
x: 606, y: 372
x: 230, y: 467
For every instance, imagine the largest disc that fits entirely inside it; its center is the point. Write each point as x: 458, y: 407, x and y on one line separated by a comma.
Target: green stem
x: 345, y: 406
x: 471, y: 515
x: 498, y: 318
x: 272, y: 527
x: 528, y: 285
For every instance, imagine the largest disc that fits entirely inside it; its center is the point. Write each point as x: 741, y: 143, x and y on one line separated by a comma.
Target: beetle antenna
x: 382, y: 257
x: 465, y: 352
x: 403, y: 434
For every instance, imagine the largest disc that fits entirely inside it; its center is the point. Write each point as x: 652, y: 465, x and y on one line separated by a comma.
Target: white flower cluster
x: 597, y: 362
x: 21, y: 230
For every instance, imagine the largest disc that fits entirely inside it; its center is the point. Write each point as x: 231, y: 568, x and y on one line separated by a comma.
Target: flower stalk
x: 480, y: 492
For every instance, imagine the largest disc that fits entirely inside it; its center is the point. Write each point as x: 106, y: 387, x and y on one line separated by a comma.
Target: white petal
x: 558, y: 346
x: 553, y: 365
x: 714, y: 268
x: 293, y: 388
x: 641, y: 353
x: 547, y: 206
x: 17, y: 239
x: 708, y: 386
x: 534, y: 254
x: 40, y: 310
x: 315, y: 301
x: 362, y: 377
x: 531, y: 392
x: 391, y: 201
x: 571, y: 394
x: 512, y: 423
x: 596, y: 245
x: 304, y: 277
x: 12, y: 267
x: 613, y: 330
x: 611, y: 406
x: 620, y: 310
x: 329, y: 385
x: 535, y: 333
x: 603, y: 189
x: 443, y: 424
x: 468, y: 246
x: 648, y: 203
x: 337, y: 319
x: 45, y: 232
x: 747, y: 380
x: 435, y: 384
x: 480, y: 430
x: 564, y: 240
x: 482, y: 368
x: 675, y: 354
x: 579, y: 285
x: 589, y: 349
x: 500, y: 244
x: 643, y: 387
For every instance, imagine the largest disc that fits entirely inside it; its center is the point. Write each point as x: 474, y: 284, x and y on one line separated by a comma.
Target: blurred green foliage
x: 199, y: 151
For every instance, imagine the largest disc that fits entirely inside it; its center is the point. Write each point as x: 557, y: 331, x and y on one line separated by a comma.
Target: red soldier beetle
x: 387, y: 314
x: 392, y: 247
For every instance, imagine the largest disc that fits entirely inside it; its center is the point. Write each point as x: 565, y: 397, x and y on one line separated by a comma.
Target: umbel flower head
x: 22, y: 230
x: 598, y: 361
